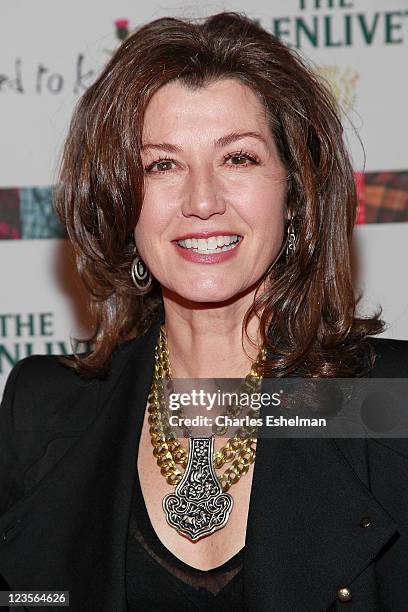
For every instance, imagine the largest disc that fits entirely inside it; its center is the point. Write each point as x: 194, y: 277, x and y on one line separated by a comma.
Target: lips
x: 191, y: 249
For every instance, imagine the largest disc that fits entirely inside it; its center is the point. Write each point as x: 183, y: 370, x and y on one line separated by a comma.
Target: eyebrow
x: 224, y: 141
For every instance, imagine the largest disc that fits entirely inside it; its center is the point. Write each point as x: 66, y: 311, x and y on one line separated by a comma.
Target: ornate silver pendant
x: 198, y: 506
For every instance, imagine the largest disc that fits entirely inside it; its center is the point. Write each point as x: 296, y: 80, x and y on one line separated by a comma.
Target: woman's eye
x: 240, y: 159
x: 161, y: 165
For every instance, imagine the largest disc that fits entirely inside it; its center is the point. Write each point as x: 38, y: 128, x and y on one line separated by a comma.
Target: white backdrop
x: 51, y: 51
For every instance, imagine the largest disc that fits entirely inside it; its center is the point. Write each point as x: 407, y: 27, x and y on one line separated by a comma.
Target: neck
x: 207, y: 342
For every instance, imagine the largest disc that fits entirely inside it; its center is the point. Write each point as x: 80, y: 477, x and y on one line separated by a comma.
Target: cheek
x: 264, y: 207
x: 154, y: 218
x: 144, y: 236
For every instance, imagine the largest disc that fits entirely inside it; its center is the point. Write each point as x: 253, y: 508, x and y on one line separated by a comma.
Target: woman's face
x: 214, y: 180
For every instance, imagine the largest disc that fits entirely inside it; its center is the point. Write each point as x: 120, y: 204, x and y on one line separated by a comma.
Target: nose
x: 203, y: 195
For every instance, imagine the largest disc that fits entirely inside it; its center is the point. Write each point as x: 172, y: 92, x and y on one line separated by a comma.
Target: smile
x: 208, y: 246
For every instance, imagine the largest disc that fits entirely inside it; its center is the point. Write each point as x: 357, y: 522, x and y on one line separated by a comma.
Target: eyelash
x: 250, y: 157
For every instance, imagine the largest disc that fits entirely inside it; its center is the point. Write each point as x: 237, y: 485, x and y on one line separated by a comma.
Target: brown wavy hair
x: 308, y: 314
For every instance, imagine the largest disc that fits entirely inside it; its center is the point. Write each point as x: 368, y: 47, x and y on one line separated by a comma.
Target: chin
x: 200, y: 293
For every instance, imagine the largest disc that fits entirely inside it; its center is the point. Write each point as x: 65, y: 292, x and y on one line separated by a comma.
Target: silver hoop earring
x: 141, y: 276
x: 291, y: 240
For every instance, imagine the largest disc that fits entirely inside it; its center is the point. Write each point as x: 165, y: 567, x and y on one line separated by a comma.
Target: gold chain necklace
x: 200, y: 504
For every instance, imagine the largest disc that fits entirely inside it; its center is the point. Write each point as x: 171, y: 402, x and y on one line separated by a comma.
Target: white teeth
x: 214, y: 244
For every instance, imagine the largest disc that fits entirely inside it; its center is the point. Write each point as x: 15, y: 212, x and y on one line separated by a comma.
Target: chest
x: 212, y: 550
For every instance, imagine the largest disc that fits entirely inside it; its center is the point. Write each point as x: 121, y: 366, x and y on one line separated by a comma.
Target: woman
x: 235, y: 150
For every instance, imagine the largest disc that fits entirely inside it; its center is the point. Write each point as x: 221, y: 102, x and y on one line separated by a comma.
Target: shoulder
x: 42, y: 370
x: 45, y: 407
x: 390, y: 358
x: 39, y: 388
x: 42, y: 392
x: 391, y: 361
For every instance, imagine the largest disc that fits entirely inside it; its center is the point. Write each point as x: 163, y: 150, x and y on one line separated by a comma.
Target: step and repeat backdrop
x: 52, y: 51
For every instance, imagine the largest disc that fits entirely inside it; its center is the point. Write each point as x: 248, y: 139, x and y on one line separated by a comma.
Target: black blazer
x: 68, y: 461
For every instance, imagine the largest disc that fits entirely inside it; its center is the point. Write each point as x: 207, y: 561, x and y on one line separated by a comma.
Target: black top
x: 157, y: 581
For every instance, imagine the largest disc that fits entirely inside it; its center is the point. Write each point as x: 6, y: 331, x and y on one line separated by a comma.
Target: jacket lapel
x: 75, y: 519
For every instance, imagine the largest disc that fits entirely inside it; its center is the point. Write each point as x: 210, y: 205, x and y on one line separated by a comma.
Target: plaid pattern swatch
x: 386, y: 197
x: 28, y: 214
x: 10, y: 223
x: 37, y: 216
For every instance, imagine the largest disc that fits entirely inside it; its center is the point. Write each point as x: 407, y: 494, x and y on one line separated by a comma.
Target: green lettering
x: 45, y: 322
x: 347, y: 30
x: 20, y: 324
x: 328, y: 22
x: 7, y: 357
x: 62, y: 348
x: 277, y: 27
x: 301, y: 27
x: 28, y: 349
x: 3, y: 324
x: 48, y: 348
x: 368, y: 32
x: 390, y: 27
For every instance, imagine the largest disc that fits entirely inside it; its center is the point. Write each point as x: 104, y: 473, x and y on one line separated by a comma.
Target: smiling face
x: 213, y: 180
